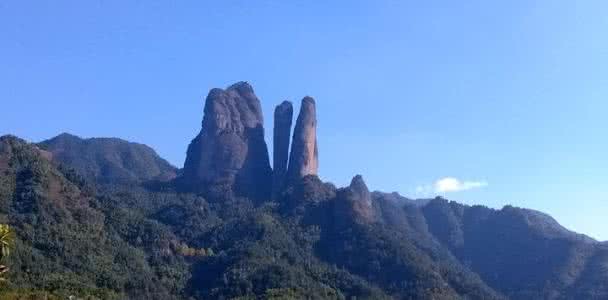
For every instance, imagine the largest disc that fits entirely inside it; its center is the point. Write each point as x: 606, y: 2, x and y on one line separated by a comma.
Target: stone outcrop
x: 230, y: 155
x: 283, y: 117
x: 354, y: 203
x: 304, y: 157
x: 359, y: 191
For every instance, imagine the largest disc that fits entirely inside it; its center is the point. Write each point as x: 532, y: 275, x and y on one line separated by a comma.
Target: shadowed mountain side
x: 283, y: 116
x: 64, y: 240
x: 499, y: 244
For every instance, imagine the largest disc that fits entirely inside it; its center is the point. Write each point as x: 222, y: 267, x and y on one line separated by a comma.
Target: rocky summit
x: 230, y: 155
x: 355, y: 201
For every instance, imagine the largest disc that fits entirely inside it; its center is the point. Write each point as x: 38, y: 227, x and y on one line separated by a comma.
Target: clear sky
x: 506, y: 99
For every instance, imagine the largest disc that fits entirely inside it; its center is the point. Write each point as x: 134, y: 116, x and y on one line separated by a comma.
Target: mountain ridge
x: 108, y: 159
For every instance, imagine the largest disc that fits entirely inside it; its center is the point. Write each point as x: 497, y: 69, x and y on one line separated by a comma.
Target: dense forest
x: 145, y: 239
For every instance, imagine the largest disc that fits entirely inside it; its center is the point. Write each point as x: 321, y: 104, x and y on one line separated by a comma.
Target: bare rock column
x: 304, y: 158
x: 283, y: 117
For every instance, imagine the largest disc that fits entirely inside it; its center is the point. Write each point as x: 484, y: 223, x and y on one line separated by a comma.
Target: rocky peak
x: 360, y: 191
x: 235, y: 110
x: 230, y: 155
x: 304, y: 158
x: 283, y: 117
x: 354, y: 203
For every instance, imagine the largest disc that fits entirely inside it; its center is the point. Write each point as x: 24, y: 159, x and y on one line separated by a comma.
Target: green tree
x: 6, y: 240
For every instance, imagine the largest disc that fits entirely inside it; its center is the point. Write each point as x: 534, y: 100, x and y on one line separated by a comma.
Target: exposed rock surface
x: 304, y: 158
x: 108, y: 159
x: 360, y: 191
x: 230, y: 153
x: 355, y: 202
x: 283, y: 117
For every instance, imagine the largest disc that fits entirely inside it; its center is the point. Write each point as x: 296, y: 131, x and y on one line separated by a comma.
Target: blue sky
x: 506, y: 98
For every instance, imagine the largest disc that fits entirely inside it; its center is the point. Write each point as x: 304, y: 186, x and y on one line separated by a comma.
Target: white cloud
x: 447, y: 185
x: 451, y: 184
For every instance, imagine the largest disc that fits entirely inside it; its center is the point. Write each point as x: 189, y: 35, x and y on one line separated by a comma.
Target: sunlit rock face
x: 229, y: 155
x: 304, y: 158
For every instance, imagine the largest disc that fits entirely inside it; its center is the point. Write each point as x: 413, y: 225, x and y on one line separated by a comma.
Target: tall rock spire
x: 304, y: 158
x: 283, y: 117
x: 229, y: 155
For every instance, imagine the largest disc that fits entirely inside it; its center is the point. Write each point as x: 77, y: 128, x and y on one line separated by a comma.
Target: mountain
x: 122, y: 241
x: 107, y: 160
x: 229, y: 155
x: 384, y: 243
x: 499, y: 244
x: 105, y: 219
x: 64, y: 242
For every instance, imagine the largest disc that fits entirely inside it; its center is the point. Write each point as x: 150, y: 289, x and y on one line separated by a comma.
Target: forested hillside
x: 109, y: 219
x: 314, y: 241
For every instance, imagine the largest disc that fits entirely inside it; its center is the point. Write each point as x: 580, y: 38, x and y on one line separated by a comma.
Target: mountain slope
x: 314, y: 241
x: 128, y: 240
x: 383, y: 243
x: 63, y: 242
x: 522, y: 253
x: 107, y: 160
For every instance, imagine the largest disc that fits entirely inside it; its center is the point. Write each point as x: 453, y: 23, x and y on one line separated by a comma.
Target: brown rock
x: 354, y: 203
x: 304, y: 158
x: 283, y: 117
x: 230, y: 154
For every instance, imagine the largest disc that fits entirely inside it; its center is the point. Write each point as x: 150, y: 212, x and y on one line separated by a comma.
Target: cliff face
x: 354, y: 203
x: 283, y: 116
x: 304, y: 158
x: 230, y: 155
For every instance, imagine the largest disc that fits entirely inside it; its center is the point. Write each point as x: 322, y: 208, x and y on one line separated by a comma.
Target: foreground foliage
x: 6, y: 242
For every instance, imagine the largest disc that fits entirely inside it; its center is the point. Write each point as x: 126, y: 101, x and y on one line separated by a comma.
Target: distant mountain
x: 109, y: 159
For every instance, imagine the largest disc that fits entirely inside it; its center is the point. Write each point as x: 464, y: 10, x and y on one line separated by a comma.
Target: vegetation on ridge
x: 6, y: 242
x: 151, y: 241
